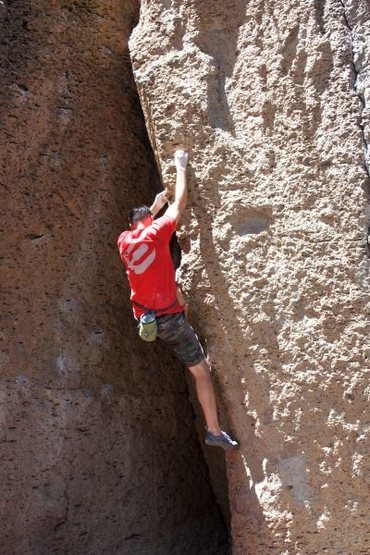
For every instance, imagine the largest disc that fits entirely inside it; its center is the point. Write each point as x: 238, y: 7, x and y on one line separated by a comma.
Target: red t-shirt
x: 146, y: 255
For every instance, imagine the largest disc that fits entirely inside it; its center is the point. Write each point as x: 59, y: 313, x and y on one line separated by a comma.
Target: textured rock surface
x: 357, y: 18
x: 98, y: 449
x: 270, y: 98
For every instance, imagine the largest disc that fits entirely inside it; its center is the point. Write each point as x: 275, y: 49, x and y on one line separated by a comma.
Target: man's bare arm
x: 159, y: 201
x: 181, y: 194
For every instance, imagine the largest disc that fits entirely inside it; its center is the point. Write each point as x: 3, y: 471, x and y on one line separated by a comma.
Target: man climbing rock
x: 144, y: 250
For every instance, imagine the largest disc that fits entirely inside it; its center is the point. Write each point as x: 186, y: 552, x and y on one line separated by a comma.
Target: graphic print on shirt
x: 132, y: 256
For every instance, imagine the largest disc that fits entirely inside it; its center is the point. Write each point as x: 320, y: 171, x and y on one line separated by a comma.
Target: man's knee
x: 200, y: 370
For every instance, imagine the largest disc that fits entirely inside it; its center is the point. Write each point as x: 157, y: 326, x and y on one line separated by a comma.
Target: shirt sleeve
x: 163, y: 228
x: 121, y: 243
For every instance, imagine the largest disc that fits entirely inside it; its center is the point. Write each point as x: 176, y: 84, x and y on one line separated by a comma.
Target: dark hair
x: 135, y: 215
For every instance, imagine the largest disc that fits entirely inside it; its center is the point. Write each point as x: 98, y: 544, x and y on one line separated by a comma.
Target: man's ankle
x: 214, y: 430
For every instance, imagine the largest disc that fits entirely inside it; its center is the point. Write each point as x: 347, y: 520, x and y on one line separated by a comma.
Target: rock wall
x: 98, y: 449
x: 272, y: 99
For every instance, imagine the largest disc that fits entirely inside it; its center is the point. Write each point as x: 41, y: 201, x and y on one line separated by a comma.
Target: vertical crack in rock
x: 359, y: 67
x: 357, y: 14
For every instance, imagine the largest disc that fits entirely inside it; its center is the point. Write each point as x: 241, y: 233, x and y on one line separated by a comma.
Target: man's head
x: 141, y: 215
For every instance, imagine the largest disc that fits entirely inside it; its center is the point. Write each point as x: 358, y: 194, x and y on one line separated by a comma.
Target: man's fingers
x: 181, y: 158
x: 181, y: 154
x: 162, y: 197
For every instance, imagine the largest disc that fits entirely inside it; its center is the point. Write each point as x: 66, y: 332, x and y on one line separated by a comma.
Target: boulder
x: 272, y: 101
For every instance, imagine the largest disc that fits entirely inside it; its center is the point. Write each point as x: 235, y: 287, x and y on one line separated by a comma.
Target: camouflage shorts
x: 175, y: 330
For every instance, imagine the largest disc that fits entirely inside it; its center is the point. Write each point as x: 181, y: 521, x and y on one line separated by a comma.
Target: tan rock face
x: 272, y: 99
x: 98, y: 449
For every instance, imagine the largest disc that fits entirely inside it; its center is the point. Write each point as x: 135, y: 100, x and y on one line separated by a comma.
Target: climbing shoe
x: 221, y: 440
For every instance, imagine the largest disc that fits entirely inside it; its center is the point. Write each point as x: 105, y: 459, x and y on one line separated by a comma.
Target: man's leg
x: 178, y: 334
x: 207, y: 398
x: 206, y: 395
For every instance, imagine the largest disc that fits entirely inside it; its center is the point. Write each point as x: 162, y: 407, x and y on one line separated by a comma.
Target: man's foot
x: 221, y: 440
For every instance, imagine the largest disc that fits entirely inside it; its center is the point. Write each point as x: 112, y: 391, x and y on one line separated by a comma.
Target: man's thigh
x: 176, y: 332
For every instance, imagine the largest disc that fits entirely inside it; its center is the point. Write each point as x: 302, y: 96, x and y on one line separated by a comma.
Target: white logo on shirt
x: 132, y: 256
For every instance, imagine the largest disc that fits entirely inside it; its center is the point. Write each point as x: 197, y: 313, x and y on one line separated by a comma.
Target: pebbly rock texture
x: 357, y: 18
x: 272, y: 99
x: 98, y: 449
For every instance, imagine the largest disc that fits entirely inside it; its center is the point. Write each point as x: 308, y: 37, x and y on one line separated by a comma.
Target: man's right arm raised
x: 181, y: 194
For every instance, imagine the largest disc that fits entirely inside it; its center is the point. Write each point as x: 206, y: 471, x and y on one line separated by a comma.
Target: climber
x: 144, y: 250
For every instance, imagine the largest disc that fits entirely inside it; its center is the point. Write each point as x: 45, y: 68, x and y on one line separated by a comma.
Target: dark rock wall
x: 272, y: 98
x: 98, y: 451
